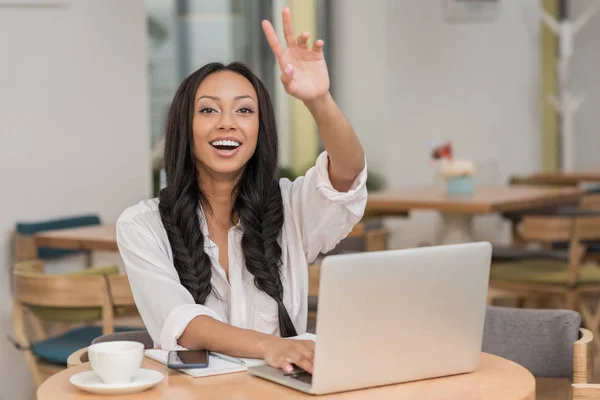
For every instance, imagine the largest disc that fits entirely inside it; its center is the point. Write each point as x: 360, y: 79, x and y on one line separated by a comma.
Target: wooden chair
x: 78, y: 300
x: 24, y: 247
x: 570, y: 282
x: 532, y: 180
x: 121, y: 295
x: 591, y: 201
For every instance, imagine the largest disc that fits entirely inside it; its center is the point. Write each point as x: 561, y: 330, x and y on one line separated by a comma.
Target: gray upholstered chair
x: 540, y: 340
x: 142, y: 336
x: 549, y: 343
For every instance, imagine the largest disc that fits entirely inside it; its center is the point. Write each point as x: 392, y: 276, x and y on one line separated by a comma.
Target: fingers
x: 296, y: 353
x: 308, y: 345
x: 302, y: 40
x: 287, y: 76
x: 304, y: 354
x: 318, y: 46
x: 283, y: 363
x: 295, y: 357
x: 308, y: 353
x: 288, y: 29
x: 305, y: 364
x: 272, y: 38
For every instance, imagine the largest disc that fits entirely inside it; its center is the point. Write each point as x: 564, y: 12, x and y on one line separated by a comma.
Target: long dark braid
x: 258, y: 201
x: 178, y: 202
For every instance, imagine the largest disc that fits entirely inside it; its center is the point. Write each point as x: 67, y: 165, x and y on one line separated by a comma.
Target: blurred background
x: 85, y: 87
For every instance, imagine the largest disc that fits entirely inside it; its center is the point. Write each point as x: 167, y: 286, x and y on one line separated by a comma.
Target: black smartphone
x: 180, y: 359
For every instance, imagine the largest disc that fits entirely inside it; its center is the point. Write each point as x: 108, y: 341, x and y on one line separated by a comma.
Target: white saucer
x: 91, y: 382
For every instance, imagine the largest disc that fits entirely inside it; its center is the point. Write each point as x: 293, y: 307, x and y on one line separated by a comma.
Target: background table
x: 104, y: 238
x: 495, y: 378
x: 569, y: 178
x: 95, y: 238
x: 457, y: 211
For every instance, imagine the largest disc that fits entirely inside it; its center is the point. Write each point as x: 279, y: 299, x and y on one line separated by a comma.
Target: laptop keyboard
x: 302, y: 376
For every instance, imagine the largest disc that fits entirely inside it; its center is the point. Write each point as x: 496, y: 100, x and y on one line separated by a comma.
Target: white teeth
x: 225, y: 143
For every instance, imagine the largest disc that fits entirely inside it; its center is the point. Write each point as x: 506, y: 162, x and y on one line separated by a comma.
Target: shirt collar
x: 204, y: 227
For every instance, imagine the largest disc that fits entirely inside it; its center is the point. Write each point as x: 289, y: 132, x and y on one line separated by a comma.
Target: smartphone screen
x: 188, y: 359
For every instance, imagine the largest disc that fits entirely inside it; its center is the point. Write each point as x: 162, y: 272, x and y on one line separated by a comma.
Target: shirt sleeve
x: 323, y: 215
x: 165, y: 305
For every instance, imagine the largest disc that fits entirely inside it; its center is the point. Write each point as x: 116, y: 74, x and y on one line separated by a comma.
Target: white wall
x: 163, y: 77
x: 586, y: 79
x: 408, y: 77
x: 73, y: 126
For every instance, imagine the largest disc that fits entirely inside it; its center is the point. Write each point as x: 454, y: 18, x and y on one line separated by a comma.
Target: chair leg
x: 23, y: 340
x: 37, y: 325
x: 88, y: 259
x: 494, y: 295
x: 571, y: 300
x: 591, y: 319
x: 32, y: 363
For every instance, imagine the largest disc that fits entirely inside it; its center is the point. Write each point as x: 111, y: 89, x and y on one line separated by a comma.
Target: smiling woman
x: 225, y: 126
x: 219, y: 260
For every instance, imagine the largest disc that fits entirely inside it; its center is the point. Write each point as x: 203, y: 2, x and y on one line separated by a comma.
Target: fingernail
x: 288, y: 369
x: 288, y: 69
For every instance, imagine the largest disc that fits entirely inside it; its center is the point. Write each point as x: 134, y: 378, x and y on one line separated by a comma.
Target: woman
x: 219, y: 260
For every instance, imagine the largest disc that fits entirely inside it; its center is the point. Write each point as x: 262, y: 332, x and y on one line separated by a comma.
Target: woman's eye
x: 245, y: 110
x: 208, y: 110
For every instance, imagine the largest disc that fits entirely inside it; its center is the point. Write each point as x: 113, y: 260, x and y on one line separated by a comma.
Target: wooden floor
x: 552, y: 389
x: 558, y: 389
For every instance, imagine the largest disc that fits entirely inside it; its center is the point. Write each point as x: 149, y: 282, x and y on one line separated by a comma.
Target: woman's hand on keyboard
x: 282, y: 353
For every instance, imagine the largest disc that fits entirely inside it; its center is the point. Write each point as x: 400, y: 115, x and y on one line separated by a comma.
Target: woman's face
x: 225, y: 124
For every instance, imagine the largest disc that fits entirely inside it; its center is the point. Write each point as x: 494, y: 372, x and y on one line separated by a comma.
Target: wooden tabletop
x: 484, y: 200
x: 495, y: 378
x: 98, y: 237
x: 568, y: 178
x: 104, y: 238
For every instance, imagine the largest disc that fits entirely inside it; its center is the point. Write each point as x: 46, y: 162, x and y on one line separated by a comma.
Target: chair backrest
x: 376, y: 239
x: 591, y: 201
x: 141, y: 336
x: 33, y: 289
x: 365, y: 236
x: 120, y: 290
x: 532, y: 180
x: 573, y: 226
x: 579, y: 224
x: 24, y: 231
x: 60, y: 291
x: 540, y: 340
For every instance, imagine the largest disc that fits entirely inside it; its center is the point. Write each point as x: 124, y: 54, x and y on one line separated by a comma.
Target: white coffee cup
x: 116, y: 362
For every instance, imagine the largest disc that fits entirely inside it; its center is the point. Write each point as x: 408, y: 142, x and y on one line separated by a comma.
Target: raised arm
x: 304, y: 75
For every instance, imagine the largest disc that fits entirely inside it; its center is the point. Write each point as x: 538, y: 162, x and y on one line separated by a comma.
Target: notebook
x: 216, y: 365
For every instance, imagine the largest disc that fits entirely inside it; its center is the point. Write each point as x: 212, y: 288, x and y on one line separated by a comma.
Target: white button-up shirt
x: 316, y: 218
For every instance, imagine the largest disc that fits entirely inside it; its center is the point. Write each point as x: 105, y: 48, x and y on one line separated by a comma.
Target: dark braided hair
x: 258, y: 201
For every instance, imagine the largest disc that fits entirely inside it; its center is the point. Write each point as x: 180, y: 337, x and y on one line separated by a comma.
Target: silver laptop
x: 395, y: 316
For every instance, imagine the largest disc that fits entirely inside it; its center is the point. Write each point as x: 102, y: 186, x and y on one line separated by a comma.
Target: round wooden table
x: 495, y: 378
